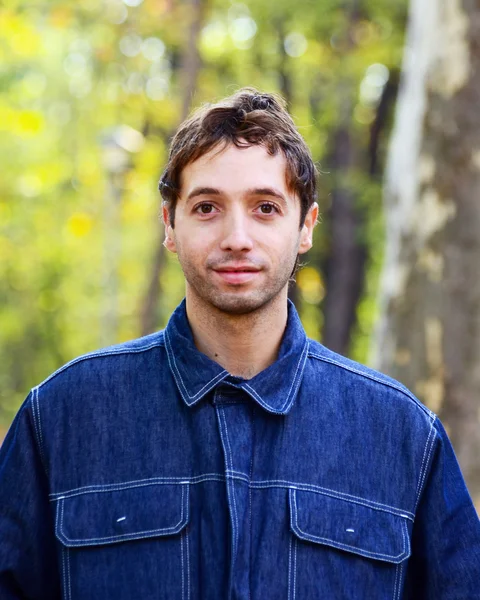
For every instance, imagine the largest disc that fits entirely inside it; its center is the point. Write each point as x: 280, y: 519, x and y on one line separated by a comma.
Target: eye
x: 268, y: 208
x: 205, y: 208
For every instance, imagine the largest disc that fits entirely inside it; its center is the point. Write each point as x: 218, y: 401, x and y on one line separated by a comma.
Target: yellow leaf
x: 29, y: 122
x: 79, y: 224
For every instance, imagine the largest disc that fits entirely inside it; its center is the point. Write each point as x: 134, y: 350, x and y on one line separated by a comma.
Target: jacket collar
x: 275, y: 388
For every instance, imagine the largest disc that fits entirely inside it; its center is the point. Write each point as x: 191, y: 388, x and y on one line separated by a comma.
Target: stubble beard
x: 239, y: 301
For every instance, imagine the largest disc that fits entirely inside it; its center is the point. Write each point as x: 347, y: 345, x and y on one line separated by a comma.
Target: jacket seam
x: 239, y: 476
x: 101, y: 353
x: 37, y: 427
x: 427, y: 453
x: 182, y: 563
x: 372, y: 377
x: 69, y: 579
x: 230, y: 483
x: 126, y: 485
x: 338, y: 495
x: 398, y: 579
x: 188, y: 562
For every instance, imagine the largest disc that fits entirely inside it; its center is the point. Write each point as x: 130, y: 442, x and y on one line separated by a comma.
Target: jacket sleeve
x: 28, y: 563
x: 445, y: 561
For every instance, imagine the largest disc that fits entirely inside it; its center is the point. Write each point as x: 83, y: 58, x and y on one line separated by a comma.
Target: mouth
x: 237, y: 275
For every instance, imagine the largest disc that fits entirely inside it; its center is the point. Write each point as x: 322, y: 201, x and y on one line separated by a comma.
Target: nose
x: 236, y: 233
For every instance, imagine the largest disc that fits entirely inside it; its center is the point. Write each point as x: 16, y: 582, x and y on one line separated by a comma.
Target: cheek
x: 193, y: 247
x: 280, y: 242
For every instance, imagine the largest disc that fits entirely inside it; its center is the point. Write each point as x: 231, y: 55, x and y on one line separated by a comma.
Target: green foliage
x: 77, y: 231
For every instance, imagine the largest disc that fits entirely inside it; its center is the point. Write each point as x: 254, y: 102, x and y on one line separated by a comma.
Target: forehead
x: 233, y: 169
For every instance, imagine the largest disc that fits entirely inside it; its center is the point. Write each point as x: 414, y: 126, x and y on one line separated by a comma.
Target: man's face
x: 237, y: 228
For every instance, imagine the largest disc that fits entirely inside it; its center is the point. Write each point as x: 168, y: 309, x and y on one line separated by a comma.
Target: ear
x: 169, y: 242
x: 306, y: 233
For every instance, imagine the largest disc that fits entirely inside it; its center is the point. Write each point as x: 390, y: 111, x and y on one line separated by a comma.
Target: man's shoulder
x: 110, y: 359
x: 368, y: 383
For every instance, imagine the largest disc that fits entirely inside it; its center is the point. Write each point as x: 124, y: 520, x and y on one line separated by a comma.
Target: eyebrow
x: 263, y: 191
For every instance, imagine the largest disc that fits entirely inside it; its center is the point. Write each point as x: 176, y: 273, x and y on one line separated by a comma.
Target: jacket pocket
x: 351, y: 549
x: 125, y: 543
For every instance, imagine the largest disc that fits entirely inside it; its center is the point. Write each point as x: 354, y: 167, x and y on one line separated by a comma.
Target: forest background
x: 90, y: 95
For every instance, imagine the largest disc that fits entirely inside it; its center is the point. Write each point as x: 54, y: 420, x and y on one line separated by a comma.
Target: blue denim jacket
x: 146, y: 471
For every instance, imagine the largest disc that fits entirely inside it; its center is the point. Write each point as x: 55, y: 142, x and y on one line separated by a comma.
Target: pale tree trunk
x: 428, y: 333
x: 188, y: 81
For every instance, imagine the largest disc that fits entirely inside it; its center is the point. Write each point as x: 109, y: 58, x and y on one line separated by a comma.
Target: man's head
x: 239, y: 203
x: 246, y: 118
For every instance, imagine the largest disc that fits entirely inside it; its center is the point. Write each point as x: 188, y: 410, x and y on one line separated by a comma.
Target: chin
x: 236, y: 304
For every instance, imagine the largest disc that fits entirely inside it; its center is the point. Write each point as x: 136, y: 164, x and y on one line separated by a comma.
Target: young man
x: 229, y: 456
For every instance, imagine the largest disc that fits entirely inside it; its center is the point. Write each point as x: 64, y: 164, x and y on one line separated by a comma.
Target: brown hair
x: 246, y: 118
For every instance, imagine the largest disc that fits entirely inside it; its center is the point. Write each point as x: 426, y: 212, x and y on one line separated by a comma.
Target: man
x: 228, y: 456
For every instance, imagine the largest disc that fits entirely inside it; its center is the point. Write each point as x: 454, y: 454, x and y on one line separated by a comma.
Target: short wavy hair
x: 246, y: 118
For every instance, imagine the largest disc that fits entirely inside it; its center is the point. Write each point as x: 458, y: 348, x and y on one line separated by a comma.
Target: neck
x: 244, y: 345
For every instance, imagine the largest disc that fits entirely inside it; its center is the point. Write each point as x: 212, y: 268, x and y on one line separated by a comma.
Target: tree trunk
x: 428, y: 333
x: 285, y: 84
x: 188, y: 81
x: 345, y: 263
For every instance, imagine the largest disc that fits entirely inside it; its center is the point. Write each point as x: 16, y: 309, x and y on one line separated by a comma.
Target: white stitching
x: 127, y: 536
x: 174, y: 367
x: 400, y: 571
x: 35, y: 417
x: 64, y: 594
x: 69, y: 579
x: 334, y: 494
x: 396, y: 582
x: 290, y: 566
x: 406, y: 538
x: 290, y: 396
x: 127, y: 485
x: 260, y: 400
x: 183, y: 569
x: 315, y: 538
x: 295, y: 544
x: 188, y: 564
x: 279, y: 483
x: 36, y: 401
x: 36, y: 425
x: 106, y: 352
x: 423, y: 458
x: 235, y: 534
x: 63, y: 549
x: 424, y: 465
x: 377, y: 379
x: 303, y: 358
x: 238, y: 475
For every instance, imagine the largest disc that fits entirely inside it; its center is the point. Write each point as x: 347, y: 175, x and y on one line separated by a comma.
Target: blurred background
x: 386, y: 93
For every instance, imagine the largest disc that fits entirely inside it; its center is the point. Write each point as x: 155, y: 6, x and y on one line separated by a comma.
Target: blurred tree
x: 190, y: 67
x: 429, y: 332
x: 345, y: 262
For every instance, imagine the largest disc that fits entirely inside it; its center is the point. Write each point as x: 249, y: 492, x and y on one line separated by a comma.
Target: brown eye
x: 267, y: 209
x: 205, y: 209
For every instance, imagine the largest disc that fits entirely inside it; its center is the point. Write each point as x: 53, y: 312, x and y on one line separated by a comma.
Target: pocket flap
x: 349, y: 526
x: 106, y: 517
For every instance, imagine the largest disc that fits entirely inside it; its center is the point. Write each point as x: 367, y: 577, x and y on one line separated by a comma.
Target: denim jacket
x: 146, y: 471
